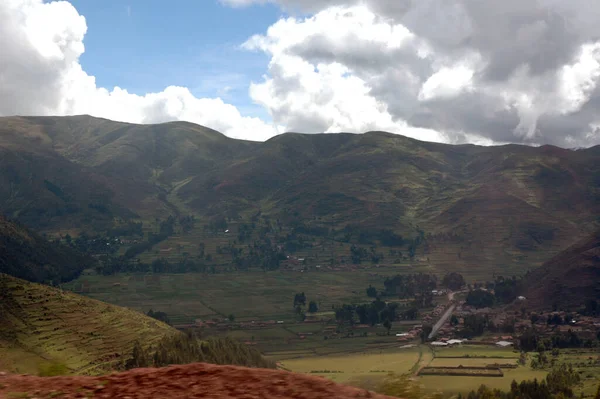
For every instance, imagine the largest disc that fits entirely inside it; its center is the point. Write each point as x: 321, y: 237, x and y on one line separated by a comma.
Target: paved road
x: 446, y: 314
x: 442, y: 320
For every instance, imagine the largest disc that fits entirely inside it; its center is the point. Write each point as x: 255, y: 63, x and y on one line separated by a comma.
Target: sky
x: 452, y: 71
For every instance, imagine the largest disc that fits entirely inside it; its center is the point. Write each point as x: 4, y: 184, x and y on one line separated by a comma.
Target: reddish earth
x: 189, y: 381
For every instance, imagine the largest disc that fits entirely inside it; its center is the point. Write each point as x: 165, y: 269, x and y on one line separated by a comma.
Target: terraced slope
x: 41, y: 325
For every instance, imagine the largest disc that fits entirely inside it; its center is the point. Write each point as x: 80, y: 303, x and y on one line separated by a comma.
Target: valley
x: 329, y: 255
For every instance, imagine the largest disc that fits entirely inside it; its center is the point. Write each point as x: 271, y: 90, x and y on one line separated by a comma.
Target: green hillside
x: 569, y: 280
x: 471, y: 206
x: 25, y: 254
x: 41, y: 325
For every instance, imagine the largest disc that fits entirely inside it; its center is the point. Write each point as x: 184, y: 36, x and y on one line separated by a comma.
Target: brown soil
x: 189, y: 381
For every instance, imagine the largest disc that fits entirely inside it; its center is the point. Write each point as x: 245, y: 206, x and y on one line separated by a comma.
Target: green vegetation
x: 188, y: 348
x: 49, y: 331
x: 26, y: 255
x: 416, y: 202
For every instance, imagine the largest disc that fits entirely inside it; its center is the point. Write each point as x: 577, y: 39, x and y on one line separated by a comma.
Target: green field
x: 246, y: 295
x: 369, y: 367
x: 353, y: 367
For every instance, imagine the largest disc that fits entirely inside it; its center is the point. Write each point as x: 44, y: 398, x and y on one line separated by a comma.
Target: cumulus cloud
x: 516, y: 70
x: 40, y: 74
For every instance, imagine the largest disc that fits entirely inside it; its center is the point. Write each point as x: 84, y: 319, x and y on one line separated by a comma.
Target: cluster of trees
x: 453, y: 281
x: 409, y: 285
x: 376, y: 312
x: 130, y: 229
x: 531, y: 341
x: 480, y: 298
x: 558, y: 384
x: 360, y: 254
x: 500, y: 291
x: 188, y: 348
x: 166, y: 229
x: 112, y: 265
x: 35, y: 259
x: 591, y: 308
x: 160, y: 316
x: 262, y: 253
x: 300, y: 304
x: 360, y: 235
x: 216, y: 224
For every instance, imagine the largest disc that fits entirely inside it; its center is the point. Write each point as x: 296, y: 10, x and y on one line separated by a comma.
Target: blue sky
x: 146, y: 45
x: 446, y: 71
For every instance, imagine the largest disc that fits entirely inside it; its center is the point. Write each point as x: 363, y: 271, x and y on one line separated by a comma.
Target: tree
x: 371, y: 292
x: 597, y: 393
x: 312, y: 307
x: 231, y: 318
x: 480, y: 299
x: 454, y: 320
x: 300, y: 299
x: 388, y: 325
x: 453, y: 281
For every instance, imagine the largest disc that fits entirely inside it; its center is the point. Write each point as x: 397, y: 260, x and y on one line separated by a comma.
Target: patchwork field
x: 367, y: 368
x: 246, y: 295
x: 353, y: 367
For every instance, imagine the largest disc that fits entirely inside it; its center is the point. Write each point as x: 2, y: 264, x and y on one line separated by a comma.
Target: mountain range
x: 474, y: 206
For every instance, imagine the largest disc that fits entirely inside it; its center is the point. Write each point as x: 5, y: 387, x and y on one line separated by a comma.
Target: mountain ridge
x: 475, y: 204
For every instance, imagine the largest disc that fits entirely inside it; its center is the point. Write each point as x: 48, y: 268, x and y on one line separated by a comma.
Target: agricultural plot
x: 246, y: 295
x: 345, y: 368
x: 463, y: 371
x: 444, y: 369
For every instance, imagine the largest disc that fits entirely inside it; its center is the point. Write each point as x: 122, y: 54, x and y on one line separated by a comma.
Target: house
x: 438, y: 343
x: 521, y: 298
x: 503, y: 344
x: 455, y: 342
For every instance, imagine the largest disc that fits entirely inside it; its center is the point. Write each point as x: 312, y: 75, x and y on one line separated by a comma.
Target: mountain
x: 42, y: 325
x: 503, y: 209
x: 26, y: 255
x: 571, y: 278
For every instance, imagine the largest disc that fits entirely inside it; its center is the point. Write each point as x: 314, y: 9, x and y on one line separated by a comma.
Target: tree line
x: 185, y: 348
x: 558, y: 384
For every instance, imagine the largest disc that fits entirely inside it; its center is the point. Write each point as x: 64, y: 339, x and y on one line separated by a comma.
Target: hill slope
x: 570, y: 278
x: 191, y: 381
x: 26, y: 255
x: 41, y: 324
x: 475, y: 206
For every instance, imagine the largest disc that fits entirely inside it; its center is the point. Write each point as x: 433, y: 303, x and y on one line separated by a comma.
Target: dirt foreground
x: 190, y: 381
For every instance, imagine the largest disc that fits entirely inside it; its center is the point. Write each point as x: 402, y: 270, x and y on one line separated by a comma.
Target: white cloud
x: 447, y: 83
x: 40, y: 74
x: 516, y: 70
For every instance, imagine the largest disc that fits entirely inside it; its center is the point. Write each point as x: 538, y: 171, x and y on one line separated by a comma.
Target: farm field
x: 354, y: 367
x: 246, y: 295
x: 369, y: 367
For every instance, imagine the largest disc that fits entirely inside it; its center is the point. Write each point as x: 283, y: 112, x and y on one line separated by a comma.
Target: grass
x: 247, y: 295
x: 464, y: 384
x: 48, y: 331
x: 346, y: 368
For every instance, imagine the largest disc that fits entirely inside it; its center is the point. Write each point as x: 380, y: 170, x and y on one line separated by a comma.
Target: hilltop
x: 41, y: 325
x: 569, y: 279
x: 471, y: 206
